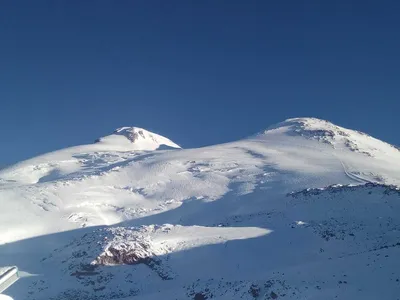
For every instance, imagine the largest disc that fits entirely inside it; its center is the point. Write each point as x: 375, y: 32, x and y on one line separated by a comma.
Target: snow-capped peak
x: 331, y: 134
x: 137, y: 139
x: 298, y: 126
x: 311, y: 128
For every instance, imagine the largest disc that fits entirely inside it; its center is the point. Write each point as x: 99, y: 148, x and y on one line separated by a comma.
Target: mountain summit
x: 335, y: 136
x: 304, y: 210
x: 136, y: 138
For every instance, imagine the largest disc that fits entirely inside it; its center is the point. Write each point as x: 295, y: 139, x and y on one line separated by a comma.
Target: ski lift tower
x: 8, y: 276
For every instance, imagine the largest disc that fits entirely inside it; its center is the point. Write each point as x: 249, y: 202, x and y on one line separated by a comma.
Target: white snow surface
x: 303, y: 210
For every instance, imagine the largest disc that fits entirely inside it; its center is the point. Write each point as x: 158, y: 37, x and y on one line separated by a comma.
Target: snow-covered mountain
x: 303, y: 210
x: 134, y: 138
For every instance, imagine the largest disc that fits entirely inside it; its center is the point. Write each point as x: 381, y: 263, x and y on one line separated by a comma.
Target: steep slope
x: 226, y: 221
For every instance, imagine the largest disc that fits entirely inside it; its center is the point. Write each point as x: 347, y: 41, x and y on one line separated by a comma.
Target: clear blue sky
x: 198, y: 72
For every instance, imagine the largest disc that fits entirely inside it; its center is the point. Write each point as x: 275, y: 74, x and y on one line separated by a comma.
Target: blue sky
x: 198, y: 72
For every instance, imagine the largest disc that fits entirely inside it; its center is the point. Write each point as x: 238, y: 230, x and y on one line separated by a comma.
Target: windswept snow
x: 280, y: 214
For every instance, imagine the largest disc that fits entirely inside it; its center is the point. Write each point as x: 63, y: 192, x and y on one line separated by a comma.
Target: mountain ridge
x: 282, y: 214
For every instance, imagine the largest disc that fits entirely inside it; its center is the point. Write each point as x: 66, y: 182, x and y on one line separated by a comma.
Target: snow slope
x: 303, y: 210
